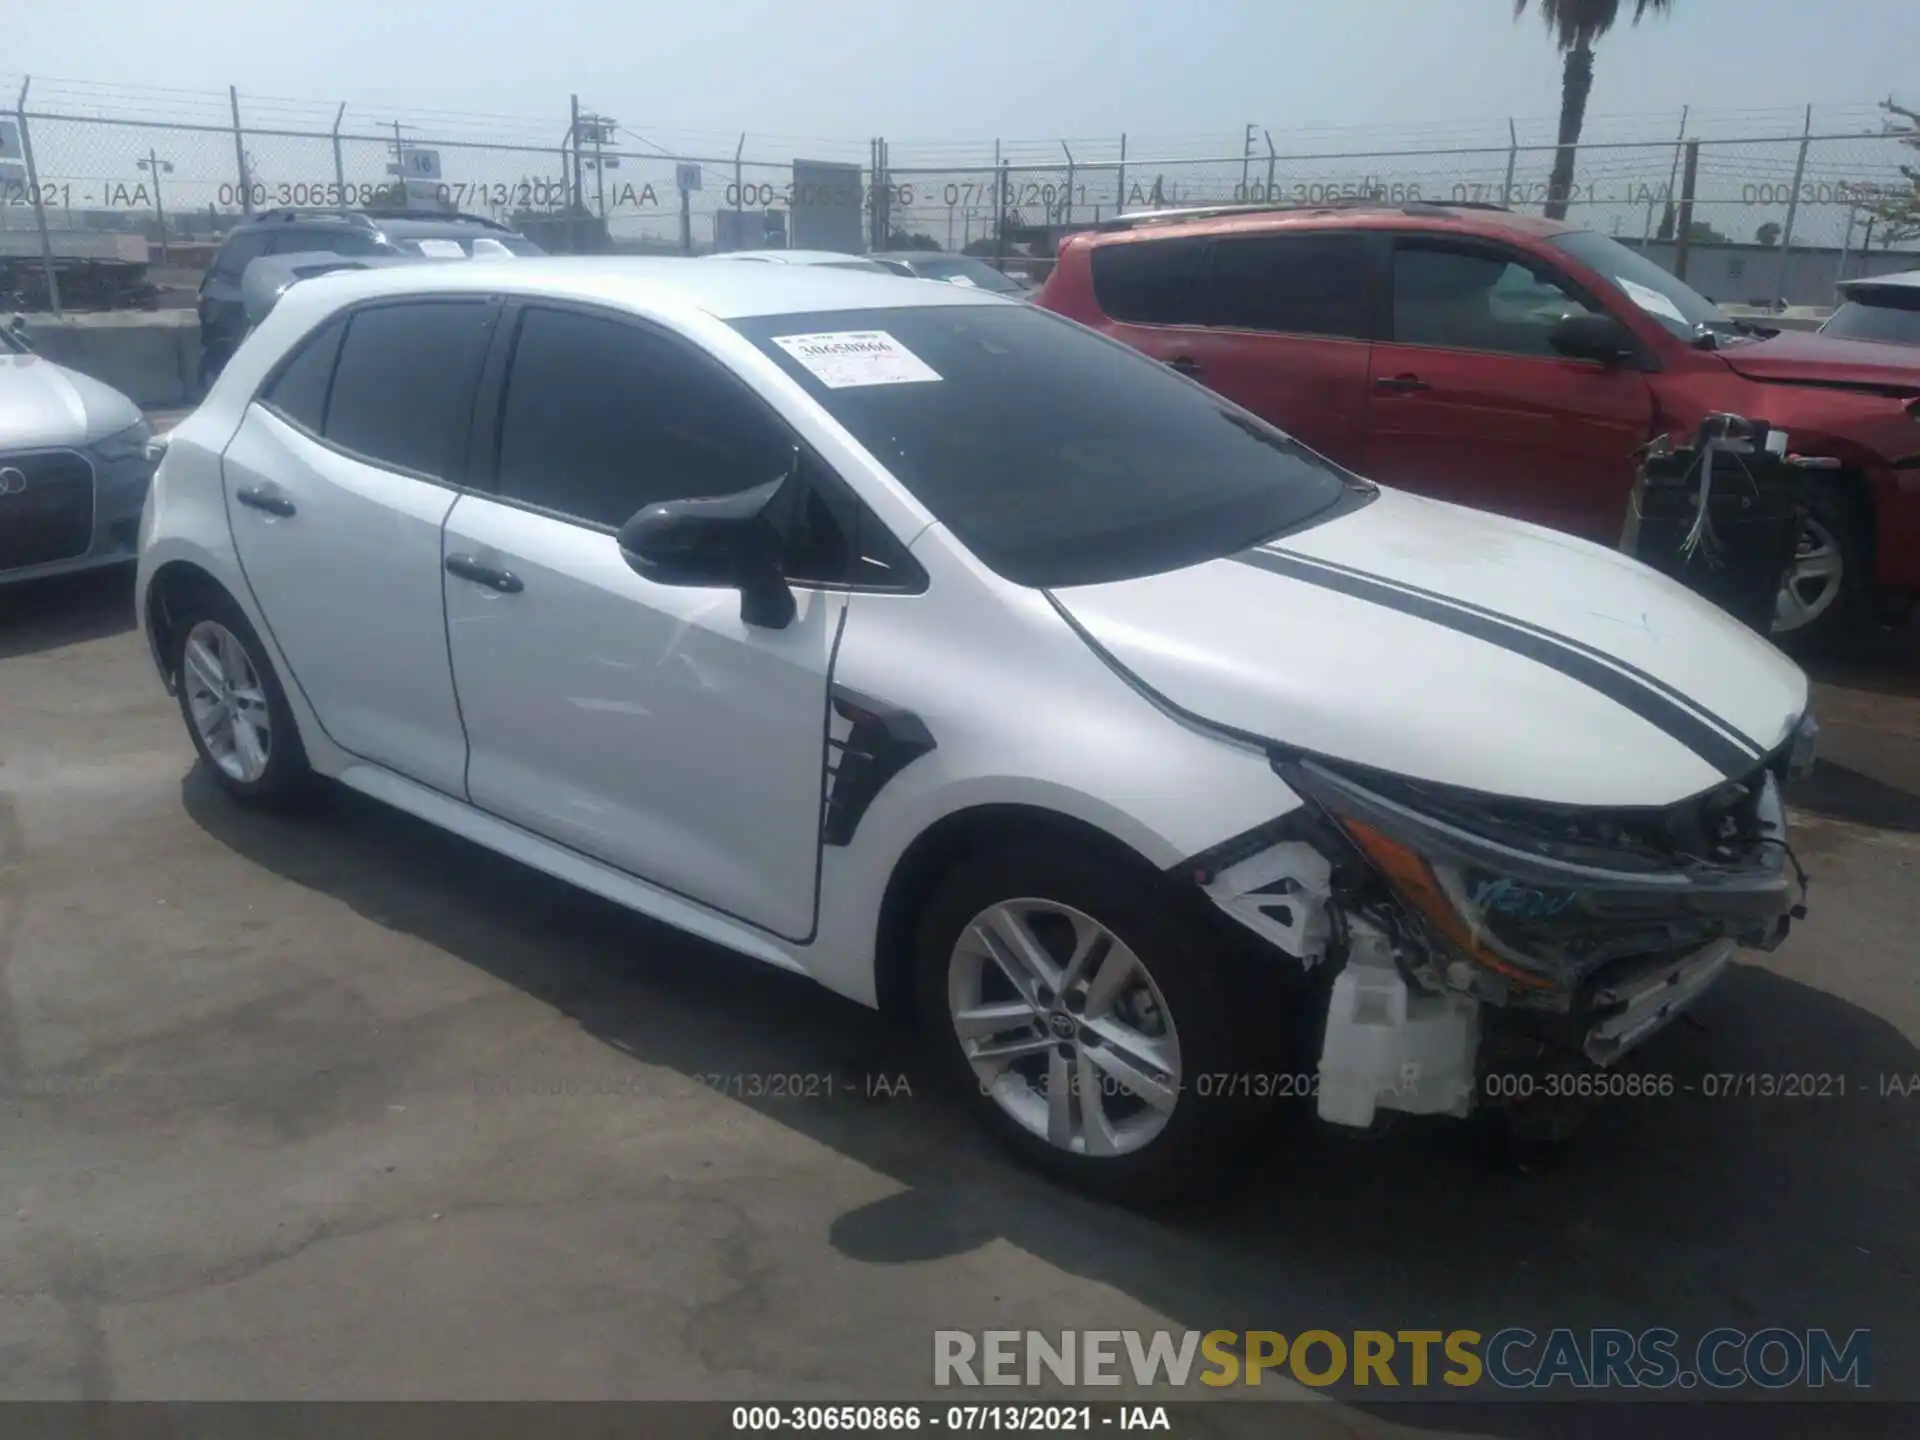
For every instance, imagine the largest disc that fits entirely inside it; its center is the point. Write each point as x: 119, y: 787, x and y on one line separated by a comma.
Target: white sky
x: 1026, y: 69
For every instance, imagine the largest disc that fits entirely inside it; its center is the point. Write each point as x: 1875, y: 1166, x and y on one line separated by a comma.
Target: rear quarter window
x: 1151, y: 282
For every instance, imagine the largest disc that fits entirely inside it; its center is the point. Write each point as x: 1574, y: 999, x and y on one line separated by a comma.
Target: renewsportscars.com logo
x: 1511, y: 1359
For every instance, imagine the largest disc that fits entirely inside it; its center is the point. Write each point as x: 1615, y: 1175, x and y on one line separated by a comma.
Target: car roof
x: 1467, y: 219
x: 1901, y: 279
x: 726, y: 292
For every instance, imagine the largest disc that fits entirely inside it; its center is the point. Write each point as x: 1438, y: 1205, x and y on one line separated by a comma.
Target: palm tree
x: 1576, y: 25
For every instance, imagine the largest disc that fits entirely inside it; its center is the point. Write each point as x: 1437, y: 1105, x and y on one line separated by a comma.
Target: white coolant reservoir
x: 1389, y: 1047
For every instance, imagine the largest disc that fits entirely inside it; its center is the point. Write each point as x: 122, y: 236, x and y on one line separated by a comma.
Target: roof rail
x: 319, y: 212
x: 1422, y: 207
x: 1175, y: 214
x: 368, y: 216
x: 387, y: 212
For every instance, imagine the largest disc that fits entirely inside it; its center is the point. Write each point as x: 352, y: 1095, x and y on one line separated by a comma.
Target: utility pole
x: 155, y: 166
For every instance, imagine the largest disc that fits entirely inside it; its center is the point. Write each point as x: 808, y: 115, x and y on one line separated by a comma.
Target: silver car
x: 73, y: 466
x: 1885, y: 308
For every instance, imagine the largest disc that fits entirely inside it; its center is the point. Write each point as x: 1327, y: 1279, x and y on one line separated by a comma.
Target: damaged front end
x: 1477, y: 934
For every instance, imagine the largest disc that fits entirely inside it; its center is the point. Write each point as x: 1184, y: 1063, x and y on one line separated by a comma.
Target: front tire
x: 235, y: 710
x: 1080, y: 1023
x: 1825, y: 603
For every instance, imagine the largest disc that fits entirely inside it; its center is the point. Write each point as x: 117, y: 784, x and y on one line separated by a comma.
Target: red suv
x: 1514, y: 364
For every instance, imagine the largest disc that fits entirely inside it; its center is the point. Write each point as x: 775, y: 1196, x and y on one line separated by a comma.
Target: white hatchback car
x: 935, y: 647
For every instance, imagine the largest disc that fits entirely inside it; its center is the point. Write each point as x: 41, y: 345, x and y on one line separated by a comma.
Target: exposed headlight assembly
x: 127, y: 444
x: 1544, y: 906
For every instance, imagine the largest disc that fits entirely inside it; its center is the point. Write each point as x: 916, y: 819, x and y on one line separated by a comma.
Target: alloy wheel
x: 1065, y: 1027
x: 227, y: 701
x: 1813, y: 581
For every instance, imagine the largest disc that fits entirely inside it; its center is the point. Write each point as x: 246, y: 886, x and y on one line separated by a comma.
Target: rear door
x: 1470, y: 403
x: 1288, y: 320
x: 1153, y: 295
x: 337, y: 485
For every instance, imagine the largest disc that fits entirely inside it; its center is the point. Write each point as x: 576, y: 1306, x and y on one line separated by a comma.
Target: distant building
x: 1744, y: 273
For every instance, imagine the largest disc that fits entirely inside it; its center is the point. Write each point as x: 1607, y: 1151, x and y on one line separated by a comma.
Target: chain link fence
x: 87, y: 186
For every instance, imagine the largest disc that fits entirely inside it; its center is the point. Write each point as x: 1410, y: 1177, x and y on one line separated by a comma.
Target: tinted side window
x: 1151, y: 282
x: 299, y: 392
x: 1295, y: 284
x: 402, y: 382
x: 603, y: 418
x: 238, y: 253
x: 1476, y: 300
x: 339, y: 242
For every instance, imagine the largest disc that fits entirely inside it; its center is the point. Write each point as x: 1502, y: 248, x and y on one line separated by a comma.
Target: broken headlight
x: 1545, y: 897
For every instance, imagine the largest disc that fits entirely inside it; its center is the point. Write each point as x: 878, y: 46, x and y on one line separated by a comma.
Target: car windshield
x: 1675, y: 304
x: 871, y: 266
x: 965, y: 270
x: 1889, y: 314
x: 1058, y: 457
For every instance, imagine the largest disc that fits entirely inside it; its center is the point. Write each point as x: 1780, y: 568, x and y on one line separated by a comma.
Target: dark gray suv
x: 223, y: 309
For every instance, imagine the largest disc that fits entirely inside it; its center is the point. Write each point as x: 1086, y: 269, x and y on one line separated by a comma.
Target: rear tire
x: 234, y: 708
x: 1126, y: 1080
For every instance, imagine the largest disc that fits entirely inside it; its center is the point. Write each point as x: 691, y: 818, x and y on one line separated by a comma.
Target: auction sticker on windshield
x: 843, y: 359
x: 1650, y: 300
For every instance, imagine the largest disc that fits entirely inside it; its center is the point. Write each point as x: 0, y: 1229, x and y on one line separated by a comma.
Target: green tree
x: 1576, y: 26
x: 1768, y: 234
x: 1896, y: 208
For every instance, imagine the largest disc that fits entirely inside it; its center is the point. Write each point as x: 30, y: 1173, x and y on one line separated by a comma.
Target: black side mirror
x: 1592, y: 337
x: 733, y: 540
x: 17, y: 328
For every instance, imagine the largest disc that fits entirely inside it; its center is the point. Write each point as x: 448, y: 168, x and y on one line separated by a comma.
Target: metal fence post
x: 1120, y: 189
x: 39, y: 200
x: 1793, y: 209
x: 1000, y: 229
x: 1513, y: 154
x: 339, y: 169
x: 1846, y: 245
x: 577, y: 204
x: 1272, y: 158
x: 1068, y: 215
x: 240, y: 153
x: 1683, y: 239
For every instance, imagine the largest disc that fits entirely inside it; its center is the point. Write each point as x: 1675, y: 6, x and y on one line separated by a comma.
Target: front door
x: 1470, y: 403
x: 645, y: 725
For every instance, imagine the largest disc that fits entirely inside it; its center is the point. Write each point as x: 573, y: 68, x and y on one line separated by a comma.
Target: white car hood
x: 42, y: 403
x: 1458, y: 647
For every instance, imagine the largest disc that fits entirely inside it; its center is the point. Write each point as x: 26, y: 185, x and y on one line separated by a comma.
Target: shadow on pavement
x: 1687, y: 1212
x: 37, y: 615
x: 1841, y: 793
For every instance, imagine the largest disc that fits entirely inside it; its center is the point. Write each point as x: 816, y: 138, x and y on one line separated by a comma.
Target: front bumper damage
x: 1471, y: 934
